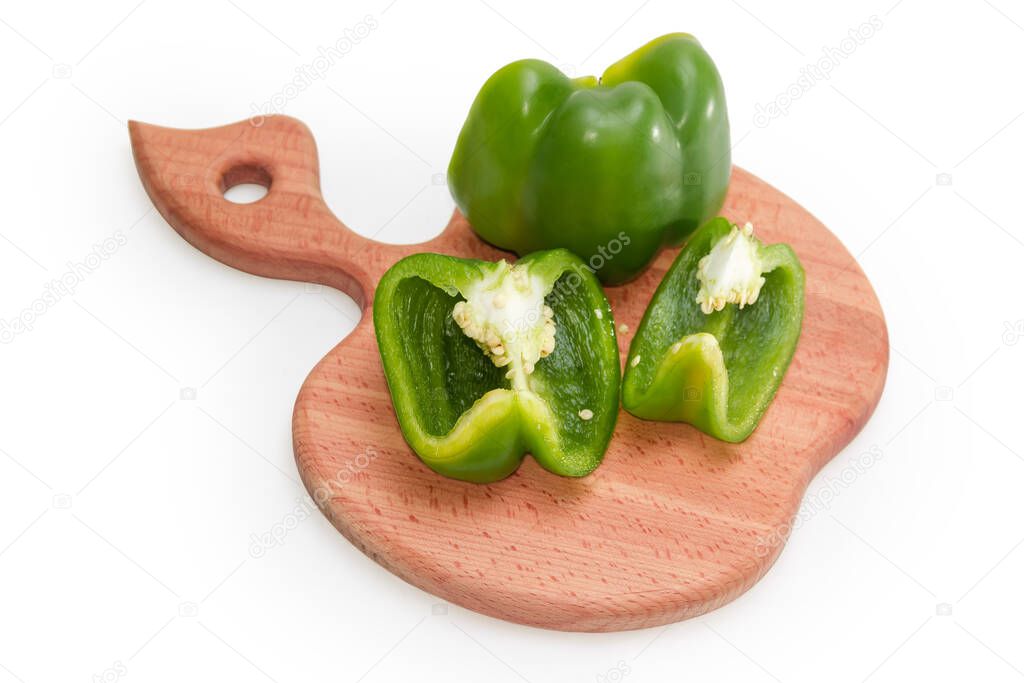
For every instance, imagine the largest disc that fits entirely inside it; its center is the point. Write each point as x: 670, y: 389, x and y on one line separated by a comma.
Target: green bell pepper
x: 488, y: 361
x: 611, y: 169
x: 718, y: 334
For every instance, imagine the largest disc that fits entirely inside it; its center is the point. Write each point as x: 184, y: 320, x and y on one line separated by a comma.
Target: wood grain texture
x: 673, y: 524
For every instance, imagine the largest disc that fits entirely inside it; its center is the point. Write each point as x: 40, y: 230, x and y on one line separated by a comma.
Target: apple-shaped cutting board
x: 672, y: 524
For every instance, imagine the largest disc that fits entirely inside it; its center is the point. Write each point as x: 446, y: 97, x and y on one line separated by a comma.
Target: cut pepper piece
x: 489, y: 361
x: 718, y: 334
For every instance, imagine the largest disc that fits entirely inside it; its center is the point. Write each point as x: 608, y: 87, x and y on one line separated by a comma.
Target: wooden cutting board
x: 673, y: 524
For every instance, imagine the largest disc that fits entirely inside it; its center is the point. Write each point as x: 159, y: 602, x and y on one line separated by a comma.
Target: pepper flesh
x: 471, y: 410
x: 613, y: 169
x: 718, y: 371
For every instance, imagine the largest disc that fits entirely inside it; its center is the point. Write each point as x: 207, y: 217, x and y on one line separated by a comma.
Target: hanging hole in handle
x: 245, y: 183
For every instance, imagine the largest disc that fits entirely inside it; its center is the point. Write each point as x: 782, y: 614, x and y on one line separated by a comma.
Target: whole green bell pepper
x: 612, y: 169
x: 488, y: 361
x: 718, y: 334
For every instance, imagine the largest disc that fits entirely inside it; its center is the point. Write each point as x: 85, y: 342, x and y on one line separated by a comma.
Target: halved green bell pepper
x: 488, y: 361
x: 612, y: 169
x: 719, y: 333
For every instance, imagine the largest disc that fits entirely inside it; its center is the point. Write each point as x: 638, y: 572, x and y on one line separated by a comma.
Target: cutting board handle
x: 290, y: 233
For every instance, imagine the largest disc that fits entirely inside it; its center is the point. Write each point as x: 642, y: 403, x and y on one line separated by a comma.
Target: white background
x: 127, y: 507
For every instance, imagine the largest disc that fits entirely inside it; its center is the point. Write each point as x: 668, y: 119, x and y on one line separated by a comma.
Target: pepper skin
x: 546, y: 161
x: 487, y: 362
x: 720, y: 370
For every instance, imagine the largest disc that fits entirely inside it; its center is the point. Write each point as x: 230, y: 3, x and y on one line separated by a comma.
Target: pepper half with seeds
x: 489, y: 361
x: 718, y: 334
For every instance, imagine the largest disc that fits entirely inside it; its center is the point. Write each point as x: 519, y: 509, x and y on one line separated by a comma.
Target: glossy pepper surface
x: 611, y: 169
x: 718, y: 334
x: 489, y: 361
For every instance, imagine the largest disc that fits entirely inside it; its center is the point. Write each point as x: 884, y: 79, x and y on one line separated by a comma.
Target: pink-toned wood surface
x: 673, y: 524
